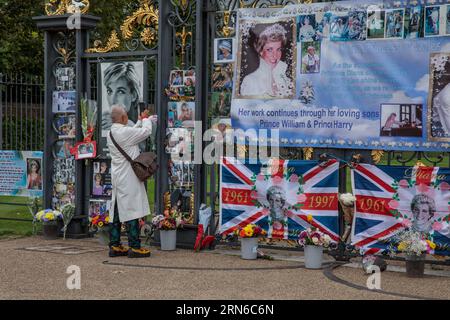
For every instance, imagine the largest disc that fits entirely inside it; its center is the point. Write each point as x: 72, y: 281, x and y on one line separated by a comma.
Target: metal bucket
x: 415, y: 266
x: 249, y: 248
x: 313, y: 257
x: 168, y: 240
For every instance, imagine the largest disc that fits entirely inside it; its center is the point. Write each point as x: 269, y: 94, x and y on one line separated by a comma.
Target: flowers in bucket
x: 171, y: 220
x: 251, y: 231
x: 99, y: 221
x: 49, y: 216
x: 412, y: 243
x: 314, y: 237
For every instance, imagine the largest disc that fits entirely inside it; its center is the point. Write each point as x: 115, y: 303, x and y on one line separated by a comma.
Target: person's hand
x: 154, y: 118
x: 144, y: 115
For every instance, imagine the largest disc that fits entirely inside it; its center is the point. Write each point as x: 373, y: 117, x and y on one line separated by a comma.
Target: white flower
x: 347, y: 199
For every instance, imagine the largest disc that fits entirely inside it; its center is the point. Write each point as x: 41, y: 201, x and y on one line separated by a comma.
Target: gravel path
x: 42, y: 275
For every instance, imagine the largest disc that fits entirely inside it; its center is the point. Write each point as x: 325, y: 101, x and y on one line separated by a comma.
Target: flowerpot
x: 50, y: 231
x: 249, y: 248
x: 415, y: 266
x: 168, y: 240
x: 103, y: 236
x: 313, y: 257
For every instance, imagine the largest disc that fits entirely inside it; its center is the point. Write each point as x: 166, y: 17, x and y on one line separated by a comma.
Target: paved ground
x: 30, y: 274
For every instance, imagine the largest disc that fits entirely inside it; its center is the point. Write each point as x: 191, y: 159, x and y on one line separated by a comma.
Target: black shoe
x: 119, y: 251
x: 139, y: 253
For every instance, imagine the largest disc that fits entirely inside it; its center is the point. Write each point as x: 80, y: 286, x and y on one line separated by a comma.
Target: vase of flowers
x: 415, y: 246
x: 167, y: 225
x: 313, y: 241
x: 49, y: 219
x: 249, y: 241
x: 99, y: 224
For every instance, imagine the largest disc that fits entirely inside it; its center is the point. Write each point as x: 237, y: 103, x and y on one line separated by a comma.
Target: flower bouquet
x: 313, y: 240
x: 49, y: 219
x: 99, y: 223
x: 249, y: 240
x: 167, y: 225
x: 415, y: 246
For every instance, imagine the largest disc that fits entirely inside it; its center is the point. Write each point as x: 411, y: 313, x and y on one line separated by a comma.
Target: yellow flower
x: 100, y: 224
x: 310, y: 218
x: 249, y: 233
x: 50, y: 216
x: 402, y: 246
x: 107, y: 219
x: 431, y: 244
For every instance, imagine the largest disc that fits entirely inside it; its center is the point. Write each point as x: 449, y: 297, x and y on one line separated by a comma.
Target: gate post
x: 76, y: 26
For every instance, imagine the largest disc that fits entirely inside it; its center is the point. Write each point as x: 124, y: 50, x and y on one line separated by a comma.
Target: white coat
x: 128, y: 190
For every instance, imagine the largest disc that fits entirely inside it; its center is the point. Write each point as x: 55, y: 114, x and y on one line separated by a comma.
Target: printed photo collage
x: 224, y: 57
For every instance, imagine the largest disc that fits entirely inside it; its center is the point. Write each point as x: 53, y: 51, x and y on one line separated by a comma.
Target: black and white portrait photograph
x: 394, y: 23
x: 224, y: 50
x: 64, y: 102
x: 423, y: 209
x: 401, y: 120
x: 122, y: 84
x: 267, y: 60
x: 65, y: 79
x: 439, y: 98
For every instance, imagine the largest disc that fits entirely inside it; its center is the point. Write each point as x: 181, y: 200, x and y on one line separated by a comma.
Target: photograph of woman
x: 97, y: 189
x: 306, y: 28
x: 391, y: 123
x: 122, y: 85
x: 34, y: 177
x: 267, y: 67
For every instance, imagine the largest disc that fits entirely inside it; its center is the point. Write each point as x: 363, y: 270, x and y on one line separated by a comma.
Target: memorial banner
x: 21, y: 173
x: 392, y: 199
x: 282, y: 197
x: 351, y: 74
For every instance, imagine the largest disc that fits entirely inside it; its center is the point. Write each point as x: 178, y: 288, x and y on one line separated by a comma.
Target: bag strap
x: 119, y: 148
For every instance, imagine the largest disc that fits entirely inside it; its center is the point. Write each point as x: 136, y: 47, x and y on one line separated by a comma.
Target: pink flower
x: 277, y: 180
x: 403, y: 183
x: 444, y: 186
x: 437, y: 226
x: 394, y: 204
x: 406, y: 223
x: 423, y: 188
x: 294, y: 178
x: 260, y: 177
x: 302, y: 198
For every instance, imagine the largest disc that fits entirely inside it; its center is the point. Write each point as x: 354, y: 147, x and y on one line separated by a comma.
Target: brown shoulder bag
x: 144, y: 166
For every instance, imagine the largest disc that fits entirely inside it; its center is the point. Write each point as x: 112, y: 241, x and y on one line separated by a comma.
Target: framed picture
x: 401, y: 120
x: 253, y: 71
x: 176, y: 78
x: 414, y: 22
x: 65, y: 79
x: 122, y: 83
x: 64, y: 102
x: 34, y: 174
x: 62, y: 148
x: 179, y: 141
x: 64, y: 126
x: 222, y: 77
x: 101, y: 179
x: 85, y: 150
x: 375, y: 24
x: 394, y: 28
x: 435, y: 21
x: 224, y: 50
x: 311, y: 57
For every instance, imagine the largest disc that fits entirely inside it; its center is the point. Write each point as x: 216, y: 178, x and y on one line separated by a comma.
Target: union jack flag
x: 290, y: 197
x: 392, y: 199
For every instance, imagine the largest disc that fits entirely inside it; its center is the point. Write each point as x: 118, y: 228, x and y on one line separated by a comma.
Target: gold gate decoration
x: 59, y: 7
x: 147, y: 16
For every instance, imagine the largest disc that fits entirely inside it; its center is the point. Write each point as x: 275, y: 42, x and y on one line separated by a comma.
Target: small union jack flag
x: 282, y: 197
x: 392, y: 199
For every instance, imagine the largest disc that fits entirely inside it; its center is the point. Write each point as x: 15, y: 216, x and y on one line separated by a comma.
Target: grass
x: 14, y: 228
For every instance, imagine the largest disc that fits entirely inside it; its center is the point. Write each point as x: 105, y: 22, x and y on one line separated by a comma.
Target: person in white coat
x: 270, y: 80
x: 129, y: 196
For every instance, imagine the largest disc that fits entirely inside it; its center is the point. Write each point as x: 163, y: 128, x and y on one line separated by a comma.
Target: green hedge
x: 23, y: 134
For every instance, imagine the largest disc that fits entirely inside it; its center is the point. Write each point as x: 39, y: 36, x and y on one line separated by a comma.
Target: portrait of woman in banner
x: 34, y: 177
x: 267, y: 61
